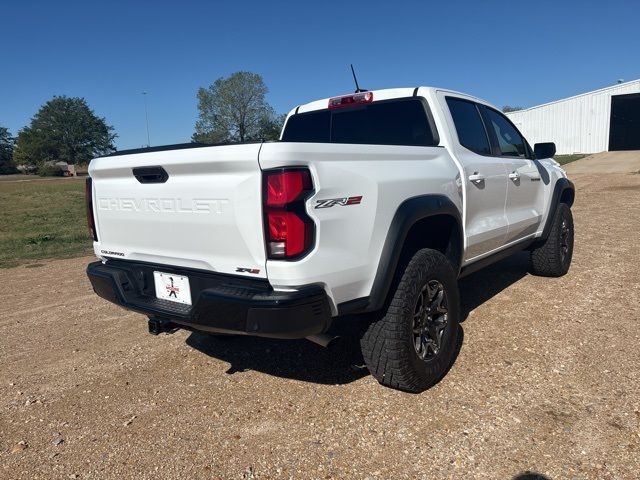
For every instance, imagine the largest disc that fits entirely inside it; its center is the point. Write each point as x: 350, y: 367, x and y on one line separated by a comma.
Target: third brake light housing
x: 351, y: 100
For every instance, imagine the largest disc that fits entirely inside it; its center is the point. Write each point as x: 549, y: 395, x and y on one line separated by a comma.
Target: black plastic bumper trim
x: 221, y: 303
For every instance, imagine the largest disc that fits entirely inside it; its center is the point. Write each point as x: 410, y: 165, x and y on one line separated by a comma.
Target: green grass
x: 564, y: 159
x: 42, y: 219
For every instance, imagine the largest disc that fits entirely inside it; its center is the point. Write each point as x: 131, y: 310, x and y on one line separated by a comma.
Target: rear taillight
x: 289, y: 231
x: 88, y: 200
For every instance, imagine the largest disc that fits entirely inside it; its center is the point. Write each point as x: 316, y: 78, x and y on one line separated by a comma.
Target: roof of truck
x: 384, y: 94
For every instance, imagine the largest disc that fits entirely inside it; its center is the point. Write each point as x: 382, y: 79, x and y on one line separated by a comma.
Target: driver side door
x: 525, y: 194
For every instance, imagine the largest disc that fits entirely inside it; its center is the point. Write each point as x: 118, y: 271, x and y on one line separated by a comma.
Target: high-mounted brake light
x: 289, y: 231
x: 349, y: 100
x: 88, y: 200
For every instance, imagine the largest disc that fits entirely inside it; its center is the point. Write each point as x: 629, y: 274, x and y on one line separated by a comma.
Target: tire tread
x: 386, y: 344
x: 546, y: 259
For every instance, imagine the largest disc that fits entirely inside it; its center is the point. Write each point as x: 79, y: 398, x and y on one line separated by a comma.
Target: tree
x: 271, y: 126
x: 7, y: 143
x: 234, y: 109
x: 508, y: 108
x: 64, y: 129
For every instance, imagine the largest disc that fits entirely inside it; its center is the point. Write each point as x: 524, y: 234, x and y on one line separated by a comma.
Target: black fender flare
x: 562, y: 185
x: 408, y: 213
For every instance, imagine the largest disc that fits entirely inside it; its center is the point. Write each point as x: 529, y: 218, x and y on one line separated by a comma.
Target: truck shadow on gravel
x: 482, y: 286
x: 341, y: 362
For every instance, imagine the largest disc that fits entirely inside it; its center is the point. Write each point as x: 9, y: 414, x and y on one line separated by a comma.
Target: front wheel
x: 553, y: 257
x: 413, y: 345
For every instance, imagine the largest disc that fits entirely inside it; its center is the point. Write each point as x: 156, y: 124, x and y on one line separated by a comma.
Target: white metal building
x: 602, y: 120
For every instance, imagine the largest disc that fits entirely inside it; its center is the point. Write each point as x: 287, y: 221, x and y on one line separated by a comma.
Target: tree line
x: 66, y: 129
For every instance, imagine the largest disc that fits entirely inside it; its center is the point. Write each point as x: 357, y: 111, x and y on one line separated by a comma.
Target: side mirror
x: 544, y: 150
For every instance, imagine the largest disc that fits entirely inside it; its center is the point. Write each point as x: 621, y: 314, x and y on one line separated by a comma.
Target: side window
x: 510, y: 141
x: 469, y: 126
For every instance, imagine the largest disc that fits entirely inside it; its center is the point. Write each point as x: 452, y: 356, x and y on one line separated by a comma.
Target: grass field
x: 42, y: 219
x: 564, y: 159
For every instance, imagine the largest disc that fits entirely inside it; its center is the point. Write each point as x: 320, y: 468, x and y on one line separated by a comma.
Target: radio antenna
x: 358, y: 89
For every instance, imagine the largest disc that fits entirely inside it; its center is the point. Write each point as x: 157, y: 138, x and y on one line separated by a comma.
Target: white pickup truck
x: 371, y: 202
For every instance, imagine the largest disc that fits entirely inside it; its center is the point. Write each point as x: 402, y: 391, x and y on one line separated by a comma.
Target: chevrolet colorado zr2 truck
x: 371, y: 202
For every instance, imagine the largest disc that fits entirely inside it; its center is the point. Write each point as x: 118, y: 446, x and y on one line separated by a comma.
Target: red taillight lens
x: 287, y: 232
x: 348, y: 100
x: 88, y: 200
x: 286, y: 187
x: 288, y: 229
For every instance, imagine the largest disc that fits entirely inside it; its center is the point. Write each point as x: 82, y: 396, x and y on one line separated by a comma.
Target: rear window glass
x: 308, y: 127
x: 395, y: 122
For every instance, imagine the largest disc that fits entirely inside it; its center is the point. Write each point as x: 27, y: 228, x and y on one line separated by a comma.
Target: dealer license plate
x: 174, y: 288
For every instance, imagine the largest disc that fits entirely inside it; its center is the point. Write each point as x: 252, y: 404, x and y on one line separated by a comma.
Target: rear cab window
x: 403, y: 121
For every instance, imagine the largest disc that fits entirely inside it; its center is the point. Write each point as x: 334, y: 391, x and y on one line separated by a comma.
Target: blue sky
x: 508, y: 52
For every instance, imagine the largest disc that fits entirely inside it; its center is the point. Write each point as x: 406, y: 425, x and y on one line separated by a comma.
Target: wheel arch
x: 426, y: 221
x: 568, y: 195
x: 563, y: 192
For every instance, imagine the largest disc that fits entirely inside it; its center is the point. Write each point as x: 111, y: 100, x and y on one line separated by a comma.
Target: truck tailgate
x: 207, y: 214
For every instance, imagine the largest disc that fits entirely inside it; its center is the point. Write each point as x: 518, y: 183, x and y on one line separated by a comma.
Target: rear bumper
x: 221, y: 303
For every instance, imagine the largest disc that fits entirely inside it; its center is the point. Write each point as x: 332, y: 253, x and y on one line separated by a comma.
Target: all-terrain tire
x: 388, y: 343
x: 553, y: 257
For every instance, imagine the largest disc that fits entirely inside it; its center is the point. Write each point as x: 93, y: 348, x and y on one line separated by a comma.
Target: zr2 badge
x: 332, y: 202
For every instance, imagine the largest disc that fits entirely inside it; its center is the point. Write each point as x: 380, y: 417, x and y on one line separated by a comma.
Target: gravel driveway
x: 547, y: 380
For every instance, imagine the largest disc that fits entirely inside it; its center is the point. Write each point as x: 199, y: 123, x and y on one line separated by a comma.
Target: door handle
x: 476, y: 178
x: 514, y: 176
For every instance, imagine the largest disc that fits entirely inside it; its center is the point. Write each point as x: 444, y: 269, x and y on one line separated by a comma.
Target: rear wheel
x: 413, y: 345
x: 553, y: 257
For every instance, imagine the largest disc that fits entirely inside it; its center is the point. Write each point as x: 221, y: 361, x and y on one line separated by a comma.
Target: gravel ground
x: 547, y: 380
